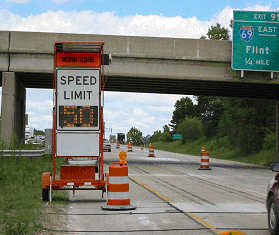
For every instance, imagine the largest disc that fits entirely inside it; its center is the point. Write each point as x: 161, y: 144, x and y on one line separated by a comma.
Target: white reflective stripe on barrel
x: 204, y: 163
x: 87, y: 183
x: 70, y: 183
x: 118, y: 180
x: 204, y: 157
x: 118, y: 195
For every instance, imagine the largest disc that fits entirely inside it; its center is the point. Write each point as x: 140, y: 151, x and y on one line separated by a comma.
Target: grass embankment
x: 218, y: 150
x: 21, y: 193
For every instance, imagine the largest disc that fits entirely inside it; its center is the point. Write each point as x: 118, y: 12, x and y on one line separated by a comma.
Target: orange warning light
x: 122, y: 156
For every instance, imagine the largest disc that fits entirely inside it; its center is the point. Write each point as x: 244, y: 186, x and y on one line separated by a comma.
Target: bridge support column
x: 12, y: 108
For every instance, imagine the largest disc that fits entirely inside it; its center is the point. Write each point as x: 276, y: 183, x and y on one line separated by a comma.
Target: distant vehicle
x: 106, y: 145
x: 272, y: 202
x: 121, y: 138
x: 112, y: 138
x: 29, y: 132
x: 39, y: 137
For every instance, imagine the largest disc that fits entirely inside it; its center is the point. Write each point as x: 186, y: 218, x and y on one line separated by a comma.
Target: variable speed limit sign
x: 78, y: 112
x: 78, y: 99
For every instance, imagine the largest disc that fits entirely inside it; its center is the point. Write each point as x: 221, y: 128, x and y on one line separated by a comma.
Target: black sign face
x: 78, y: 116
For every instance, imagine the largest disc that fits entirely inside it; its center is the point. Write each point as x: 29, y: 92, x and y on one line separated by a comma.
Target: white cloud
x: 108, y: 23
x: 149, y: 120
x: 105, y: 23
x: 257, y: 7
x: 40, y: 122
x: 40, y: 118
x: 112, y: 113
x: 139, y: 112
x: 44, y: 105
x: 132, y: 122
x: 161, y: 108
x: 139, y: 99
x: 18, y: 1
x: 60, y: 1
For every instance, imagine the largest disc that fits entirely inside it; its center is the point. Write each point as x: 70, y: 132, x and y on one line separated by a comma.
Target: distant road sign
x: 255, y: 41
x: 177, y: 136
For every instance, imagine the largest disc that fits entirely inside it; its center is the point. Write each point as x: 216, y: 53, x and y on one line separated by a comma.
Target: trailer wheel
x: 45, y: 194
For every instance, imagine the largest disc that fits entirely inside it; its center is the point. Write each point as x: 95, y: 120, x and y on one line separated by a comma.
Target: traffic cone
x: 130, y: 147
x: 204, y: 160
x: 151, y: 150
x: 118, y: 186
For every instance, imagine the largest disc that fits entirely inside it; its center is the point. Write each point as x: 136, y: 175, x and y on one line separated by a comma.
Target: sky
x: 157, y: 18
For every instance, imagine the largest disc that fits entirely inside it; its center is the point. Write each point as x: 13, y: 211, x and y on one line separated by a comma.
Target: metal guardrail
x: 22, y: 153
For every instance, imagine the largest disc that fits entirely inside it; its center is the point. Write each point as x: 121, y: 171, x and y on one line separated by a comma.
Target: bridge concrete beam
x: 12, y: 108
x: 126, y: 46
x: 145, y: 57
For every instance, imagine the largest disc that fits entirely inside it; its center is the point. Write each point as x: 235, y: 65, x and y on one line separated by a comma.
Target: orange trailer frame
x: 77, y: 175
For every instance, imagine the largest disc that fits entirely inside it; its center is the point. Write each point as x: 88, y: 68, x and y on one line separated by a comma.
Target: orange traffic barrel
x: 117, y: 145
x: 118, y: 197
x: 204, y: 161
x: 130, y: 147
x: 151, y: 151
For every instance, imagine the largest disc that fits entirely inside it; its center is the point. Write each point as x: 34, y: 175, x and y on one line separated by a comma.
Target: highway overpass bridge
x: 139, y: 64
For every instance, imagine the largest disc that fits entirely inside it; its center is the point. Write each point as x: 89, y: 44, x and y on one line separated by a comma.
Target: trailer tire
x: 45, y: 194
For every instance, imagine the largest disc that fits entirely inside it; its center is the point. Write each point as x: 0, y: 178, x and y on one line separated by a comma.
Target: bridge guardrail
x: 22, y: 153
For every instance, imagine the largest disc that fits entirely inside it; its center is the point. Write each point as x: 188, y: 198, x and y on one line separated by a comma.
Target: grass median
x: 217, y: 150
x: 21, y: 202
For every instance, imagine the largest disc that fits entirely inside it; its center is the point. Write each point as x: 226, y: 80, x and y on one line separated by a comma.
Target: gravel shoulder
x: 53, y: 217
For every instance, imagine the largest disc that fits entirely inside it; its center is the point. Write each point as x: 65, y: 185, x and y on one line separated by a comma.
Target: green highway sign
x: 255, y: 41
x: 177, y: 136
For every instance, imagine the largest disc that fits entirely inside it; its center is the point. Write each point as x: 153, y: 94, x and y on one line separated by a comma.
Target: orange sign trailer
x: 78, y: 126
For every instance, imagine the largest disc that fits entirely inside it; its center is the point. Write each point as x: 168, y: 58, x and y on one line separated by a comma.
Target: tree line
x: 245, y: 124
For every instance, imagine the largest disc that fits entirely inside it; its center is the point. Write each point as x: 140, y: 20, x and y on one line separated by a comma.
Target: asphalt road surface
x: 173, y: 196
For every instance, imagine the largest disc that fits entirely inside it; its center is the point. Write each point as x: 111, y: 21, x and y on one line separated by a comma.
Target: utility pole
x: 109, y: 129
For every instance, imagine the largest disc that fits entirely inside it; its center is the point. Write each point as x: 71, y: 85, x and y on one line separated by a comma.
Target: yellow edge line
x: 169, y: 200
x: 152, y: 190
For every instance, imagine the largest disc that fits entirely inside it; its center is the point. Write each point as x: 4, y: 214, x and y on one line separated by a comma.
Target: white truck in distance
x: 29, y: 133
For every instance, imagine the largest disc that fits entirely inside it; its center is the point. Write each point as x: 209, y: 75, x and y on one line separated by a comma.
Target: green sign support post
x: 255, y: 41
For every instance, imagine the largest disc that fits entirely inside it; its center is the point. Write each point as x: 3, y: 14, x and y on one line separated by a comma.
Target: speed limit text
x: 78, y: 80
